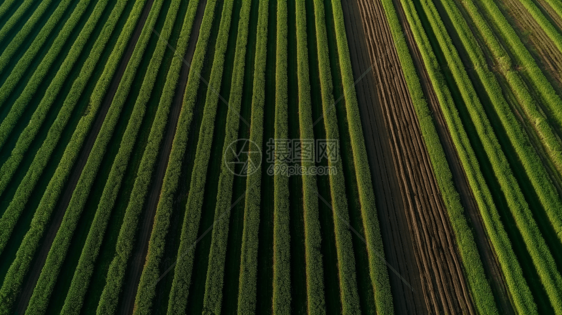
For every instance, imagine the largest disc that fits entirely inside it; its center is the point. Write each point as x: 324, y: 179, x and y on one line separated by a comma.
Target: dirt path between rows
x: 487, y: 255
x: 64, y: 200
x: 141, y: 249
x: 418, y: 239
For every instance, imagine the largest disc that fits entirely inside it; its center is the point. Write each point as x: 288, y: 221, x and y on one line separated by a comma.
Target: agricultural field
x: 280, y: 157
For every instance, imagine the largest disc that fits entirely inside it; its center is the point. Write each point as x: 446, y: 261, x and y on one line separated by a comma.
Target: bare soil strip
x: 64, y: 200
x: 491, y: 265
x: 408, y: 199
x: 139, y: 254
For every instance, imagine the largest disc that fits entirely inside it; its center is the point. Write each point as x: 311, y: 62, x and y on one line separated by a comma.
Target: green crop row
x: 281, y: 218
x: 28, y: 135
x: 540, y: 82
x: 183, y: 269
x: 535, y: 243
x: 528, y: 103
x: 472, y: 263
x: 14, y: 18
x: 556, y: 6
x: 344, y: 246
x: 247, y: 288
x: 125, y: 241
x: 312, y: 237
x: 150, y: 272
x: 16, y: 273
x: 377, y: 266
x: 516, y: 283
x: 529, y: 158
x: 30, y: 54
x: 51, y: 269
x: 8, y: 221
x: 217, y: 254
x: 38, y: 77
x: 544, y: 23
x: 5, y: 6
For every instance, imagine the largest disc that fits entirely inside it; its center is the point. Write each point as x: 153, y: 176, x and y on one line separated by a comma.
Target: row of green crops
x: 15, y: 275
x: 344, y: 247
x: 556, y: 6
x: 480, y: 288
x: 377, y: 266
x: 544, y: 22
x: 84, y: 271
x: 517, y: 136
x: 126, y: 238
x: 51, y: 269
x: 28, y: 135
x: 14, y: 18
x: 516, y: 283
x: 281, y: 219
x: 247, y: 293
x: 38, y: 77
x: 30, y: 54
x: 151, y: 271
x: 217, y: 254
x: 540, y: 82
x: 312, y: 237
x: 16, y: 206
x: 535, y: 243
x: 528, y: 103
x: 186, y: 253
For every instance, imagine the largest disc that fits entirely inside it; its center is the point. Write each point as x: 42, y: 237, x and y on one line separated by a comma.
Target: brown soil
x: 141, y: 249
x: 72, y: 181
x: 418, y: 239
x: 550, y: 12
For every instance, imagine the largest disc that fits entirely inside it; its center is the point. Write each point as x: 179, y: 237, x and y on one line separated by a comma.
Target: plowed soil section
x: 426, y: 274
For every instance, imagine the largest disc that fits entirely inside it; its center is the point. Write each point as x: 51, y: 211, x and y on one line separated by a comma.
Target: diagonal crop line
x: 351, y: 228
x: 203, y: 79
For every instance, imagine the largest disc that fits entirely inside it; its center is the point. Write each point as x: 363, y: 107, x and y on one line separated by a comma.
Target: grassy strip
x: 281, y: 219
x: 544, y: 22
x: 179, y: 293
x: 556, y: 6
x: 512, y: 272
x: 529, y: 158
x: 40, y: 73
x: 30, y: 54
x: 535, y: 243
x: 14, y: 19
x: 59, y: 249
x: 472, y: 263
x: 540, y: 82
x: 377, y: 266
x: 313, y: 238
x: 28, y: 135
x: 215, y: 272
x: 528, y: 103
x: 249, y: 254
x: 171, y: 180
x: 15, y: 275
x: 125, y: 241
x: 346, y: 258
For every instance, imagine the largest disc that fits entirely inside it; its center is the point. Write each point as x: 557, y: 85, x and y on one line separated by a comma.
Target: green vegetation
x: 14, y: 19
x: 150, y: 273
x: 5, y: 6
x: 249, y: 257
x: 313, y: 238
x: 51, y: 269
x: 186, y: 253
x: 281, y: 220
x: 28, y: 57
x: 18, y: 269
x: 544, y: 22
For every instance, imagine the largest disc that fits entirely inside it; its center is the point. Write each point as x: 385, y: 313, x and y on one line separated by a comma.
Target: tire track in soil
x: 490, y: 263
x: 141, y: 249
x: 64, y: 200
x: 414, y: 205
